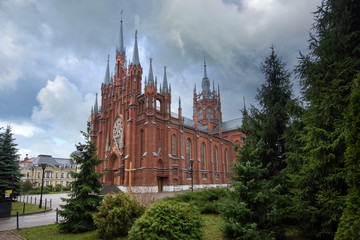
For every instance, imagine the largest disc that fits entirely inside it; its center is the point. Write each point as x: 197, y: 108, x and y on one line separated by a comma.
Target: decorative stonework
x: 118, y: 133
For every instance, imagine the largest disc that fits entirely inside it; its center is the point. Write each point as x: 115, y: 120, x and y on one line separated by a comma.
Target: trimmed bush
x: 117, y: 213
x: 169, y: 220
x: 206, y: 200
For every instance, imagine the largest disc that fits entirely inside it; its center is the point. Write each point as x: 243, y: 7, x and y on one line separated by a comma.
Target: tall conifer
x: 84, y: 199
x: 9, y: 166
x: 326, y: 77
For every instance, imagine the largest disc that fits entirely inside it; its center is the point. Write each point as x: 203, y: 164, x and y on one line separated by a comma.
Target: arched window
x: 226, y: 160
x: 209, y: 113
x: 216, y: 158
x: 200, y: 113
x: 142, y: 141
x: 173, y: 145
x: 203, y: 156
x: 188, y: 152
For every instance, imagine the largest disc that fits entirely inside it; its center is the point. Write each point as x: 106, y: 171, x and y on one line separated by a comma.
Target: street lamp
x: 43, y: 166
x: 192, y: 175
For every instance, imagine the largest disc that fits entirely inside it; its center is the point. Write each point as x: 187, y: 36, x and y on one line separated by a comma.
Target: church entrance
x: 109, y: 178
x: 160, y: 183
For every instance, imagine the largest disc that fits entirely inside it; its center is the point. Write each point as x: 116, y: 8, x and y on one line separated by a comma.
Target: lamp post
x: 43, y: 166
x: 192, y: 175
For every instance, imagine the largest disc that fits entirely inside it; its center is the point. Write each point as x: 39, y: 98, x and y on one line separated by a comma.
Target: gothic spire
x: 218, y: 89
x: 107, y: 74
x: 151, y: 75
x: 135, y: 58
x: 165, y: 83
x: 121, y: 48
x: 206, y: 83
x: 96, y: 108
x: 179, y: 102
x: 195, y: 88
x: 155, y: 82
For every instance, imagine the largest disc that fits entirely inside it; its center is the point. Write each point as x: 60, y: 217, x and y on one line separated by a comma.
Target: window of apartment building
x: 57, y: 174
x: 28, y: 174
x: 39, y: 174
x: 62, y: 175
x: 61, y: 183
x: 68, y: 175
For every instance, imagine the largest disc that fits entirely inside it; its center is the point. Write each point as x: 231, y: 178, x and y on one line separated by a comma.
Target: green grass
x: 29, y: 208
x: 213, y: 225
x: 50, y: 232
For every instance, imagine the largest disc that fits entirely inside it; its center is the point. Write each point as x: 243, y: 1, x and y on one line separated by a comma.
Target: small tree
x: 117, y: 213
x: 9, y: 167
x: 84, y: 199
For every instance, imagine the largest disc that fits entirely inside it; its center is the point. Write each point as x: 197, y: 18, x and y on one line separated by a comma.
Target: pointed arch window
x: 173, y: 145
x: 203, y: 156
x: 142, y: 141
x: 188, y: 155
x: 226, y: 160
x: 200, y: 113
x: 216, y: 158
x: 209, y: 113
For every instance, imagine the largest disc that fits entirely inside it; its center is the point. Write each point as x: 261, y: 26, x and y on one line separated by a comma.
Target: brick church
x: 139, y: 137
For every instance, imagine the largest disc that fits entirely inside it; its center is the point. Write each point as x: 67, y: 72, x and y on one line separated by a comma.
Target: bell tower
x: 207, y: 104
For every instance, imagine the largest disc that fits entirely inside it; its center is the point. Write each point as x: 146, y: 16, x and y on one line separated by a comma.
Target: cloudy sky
x: 53, y: 56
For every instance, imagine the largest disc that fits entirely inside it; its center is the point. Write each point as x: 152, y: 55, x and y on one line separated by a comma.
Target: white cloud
x: 24, y: 129
x: 62, y: 103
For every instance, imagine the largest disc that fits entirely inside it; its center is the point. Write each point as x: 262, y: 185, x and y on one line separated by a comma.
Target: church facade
x: 147, y: 146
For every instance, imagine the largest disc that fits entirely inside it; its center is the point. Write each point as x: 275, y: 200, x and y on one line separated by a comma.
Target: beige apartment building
x: 57, y: 170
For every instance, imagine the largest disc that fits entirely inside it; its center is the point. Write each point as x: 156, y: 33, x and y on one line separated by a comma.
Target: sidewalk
x: 10, y: 235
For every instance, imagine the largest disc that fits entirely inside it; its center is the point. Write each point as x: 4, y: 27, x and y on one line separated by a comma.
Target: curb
x: 32, y: 213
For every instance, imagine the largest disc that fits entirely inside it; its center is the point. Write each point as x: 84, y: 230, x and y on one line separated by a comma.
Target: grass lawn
x: 29, y: 208
x: 51, y: 232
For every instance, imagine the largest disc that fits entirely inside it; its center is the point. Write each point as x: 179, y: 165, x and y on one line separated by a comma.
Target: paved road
x: 35, y: 219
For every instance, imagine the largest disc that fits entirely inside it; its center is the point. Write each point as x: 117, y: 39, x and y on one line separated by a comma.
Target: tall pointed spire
x: 206, y: 83
x: 135, y: 58
x: 179, y: 102
x: 155, y: 82
x: 194, y: 88
x: 151, y: 75
x: 218, y: 89
x: 121, y: 48
x: 165, y: 83
x: 96, y: 108
x: 205, y: 72
x: 107, y: 74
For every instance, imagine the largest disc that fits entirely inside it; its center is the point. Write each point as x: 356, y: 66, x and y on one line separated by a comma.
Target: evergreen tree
x: 256, y: 204
x: 274, y: 98
x: 84, y: 199
x: 349, y: 227
x: 249, y: 209
x: 9, y: 168
x: 326, y: 77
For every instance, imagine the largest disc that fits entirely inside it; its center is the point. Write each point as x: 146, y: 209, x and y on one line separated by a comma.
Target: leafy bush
x: 169, y: 220
x: 117, y: 213
x: 48, y: 188
x: 26, y: 186
x: 206, y: 200
x: 58, y: 188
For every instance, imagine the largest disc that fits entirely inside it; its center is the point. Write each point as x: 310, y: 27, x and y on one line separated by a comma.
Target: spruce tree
x: 9, y: 168
x: 255, y: 203
x: 84, y: 199
x: 249, y: 208
x: 326, y: 73
x: 349, y: 227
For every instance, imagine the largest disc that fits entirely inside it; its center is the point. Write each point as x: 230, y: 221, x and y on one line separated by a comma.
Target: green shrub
x: 58, y: 188
x: 206, y: 200
x: 117, y: 213
x: 169, y: 220
x: 26, y: 186
x: 48, y: 188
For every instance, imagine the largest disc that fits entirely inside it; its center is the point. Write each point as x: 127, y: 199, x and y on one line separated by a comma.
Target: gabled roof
x: 230, y: 125
x: 50, y: 161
